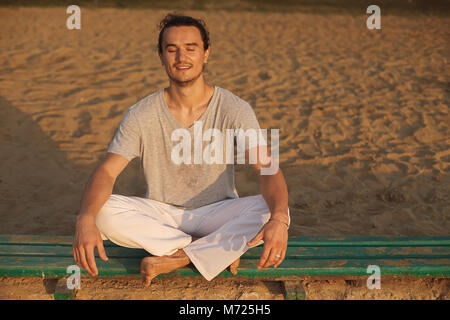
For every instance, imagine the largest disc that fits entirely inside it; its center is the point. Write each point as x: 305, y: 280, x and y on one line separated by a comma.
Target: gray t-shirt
x: 146, y: 131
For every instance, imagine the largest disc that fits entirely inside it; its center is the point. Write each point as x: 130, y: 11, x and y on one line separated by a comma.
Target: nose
x: 181, y: 55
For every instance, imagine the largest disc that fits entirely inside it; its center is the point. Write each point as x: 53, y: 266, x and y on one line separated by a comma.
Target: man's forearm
x: 96, y: 193
x: 274, y: 190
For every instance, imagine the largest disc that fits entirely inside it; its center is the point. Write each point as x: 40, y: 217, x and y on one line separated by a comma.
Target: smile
x: 183, y: 68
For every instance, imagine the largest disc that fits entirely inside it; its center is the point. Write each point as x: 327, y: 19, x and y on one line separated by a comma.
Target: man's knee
x: 103, y: 221
x: 260, y: 205
x: 106, y: 220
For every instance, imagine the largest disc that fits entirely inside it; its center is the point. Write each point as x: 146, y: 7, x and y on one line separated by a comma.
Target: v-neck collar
x: 178, y: 123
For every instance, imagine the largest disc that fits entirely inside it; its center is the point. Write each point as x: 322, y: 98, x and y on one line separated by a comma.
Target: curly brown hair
x: 176, y: 20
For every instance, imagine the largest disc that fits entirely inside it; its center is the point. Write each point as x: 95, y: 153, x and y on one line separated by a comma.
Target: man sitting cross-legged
x: 191, y: 212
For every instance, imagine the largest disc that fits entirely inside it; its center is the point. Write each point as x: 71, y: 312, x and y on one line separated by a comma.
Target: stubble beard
x: 189, y: 82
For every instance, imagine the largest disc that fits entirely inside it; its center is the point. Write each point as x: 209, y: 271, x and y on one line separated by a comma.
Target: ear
x: 205, y: 60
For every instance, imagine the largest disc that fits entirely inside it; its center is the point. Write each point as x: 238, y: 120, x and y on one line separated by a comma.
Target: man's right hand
x: 87, y: 237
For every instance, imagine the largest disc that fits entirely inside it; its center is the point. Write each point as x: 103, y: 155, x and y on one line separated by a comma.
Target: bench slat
x: 49, y: 256
x: 313, y: 241
x: 56, y: 267
x: 432, y: 252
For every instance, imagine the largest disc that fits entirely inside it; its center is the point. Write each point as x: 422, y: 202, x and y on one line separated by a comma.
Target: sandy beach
x: 363, y: 114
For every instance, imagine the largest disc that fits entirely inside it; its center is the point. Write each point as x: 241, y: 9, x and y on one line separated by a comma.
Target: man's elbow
x: 112, y: 166
x: 269, y: 169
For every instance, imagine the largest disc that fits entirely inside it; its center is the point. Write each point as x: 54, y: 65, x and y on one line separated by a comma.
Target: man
x: 191, y: 212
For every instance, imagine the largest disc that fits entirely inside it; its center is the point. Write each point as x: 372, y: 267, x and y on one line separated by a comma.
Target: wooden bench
x: 49, y: 257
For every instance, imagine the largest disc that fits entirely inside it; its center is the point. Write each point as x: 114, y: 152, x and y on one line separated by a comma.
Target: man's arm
x: 275, y: 232
x: 274, y: 190
x: 97, y: 191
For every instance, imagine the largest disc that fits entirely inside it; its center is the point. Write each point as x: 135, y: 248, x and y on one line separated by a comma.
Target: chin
x: 185, y: 81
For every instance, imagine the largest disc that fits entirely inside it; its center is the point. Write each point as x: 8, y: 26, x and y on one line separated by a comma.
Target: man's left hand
x: 275, y: 236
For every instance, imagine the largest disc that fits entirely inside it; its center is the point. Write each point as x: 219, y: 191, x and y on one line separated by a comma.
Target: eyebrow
x: 187, y: 44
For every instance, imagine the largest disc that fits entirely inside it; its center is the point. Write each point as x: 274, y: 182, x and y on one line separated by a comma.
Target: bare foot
x: 153, y: 266
x: 234, y: 266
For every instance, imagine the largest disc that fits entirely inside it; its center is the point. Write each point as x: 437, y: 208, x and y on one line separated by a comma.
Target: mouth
x: 183, y: 67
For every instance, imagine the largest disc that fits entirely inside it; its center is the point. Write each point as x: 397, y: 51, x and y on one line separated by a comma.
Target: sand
x: 363, y: 114
x: 175, y: 288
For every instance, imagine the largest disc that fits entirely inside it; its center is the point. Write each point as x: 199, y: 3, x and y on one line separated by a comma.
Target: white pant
x: 223, y: 227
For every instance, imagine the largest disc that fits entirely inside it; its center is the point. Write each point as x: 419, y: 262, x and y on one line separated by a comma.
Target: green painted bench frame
x: 49, y: 257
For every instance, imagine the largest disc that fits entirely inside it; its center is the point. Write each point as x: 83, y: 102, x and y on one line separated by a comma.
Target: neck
x: 188, y: 97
